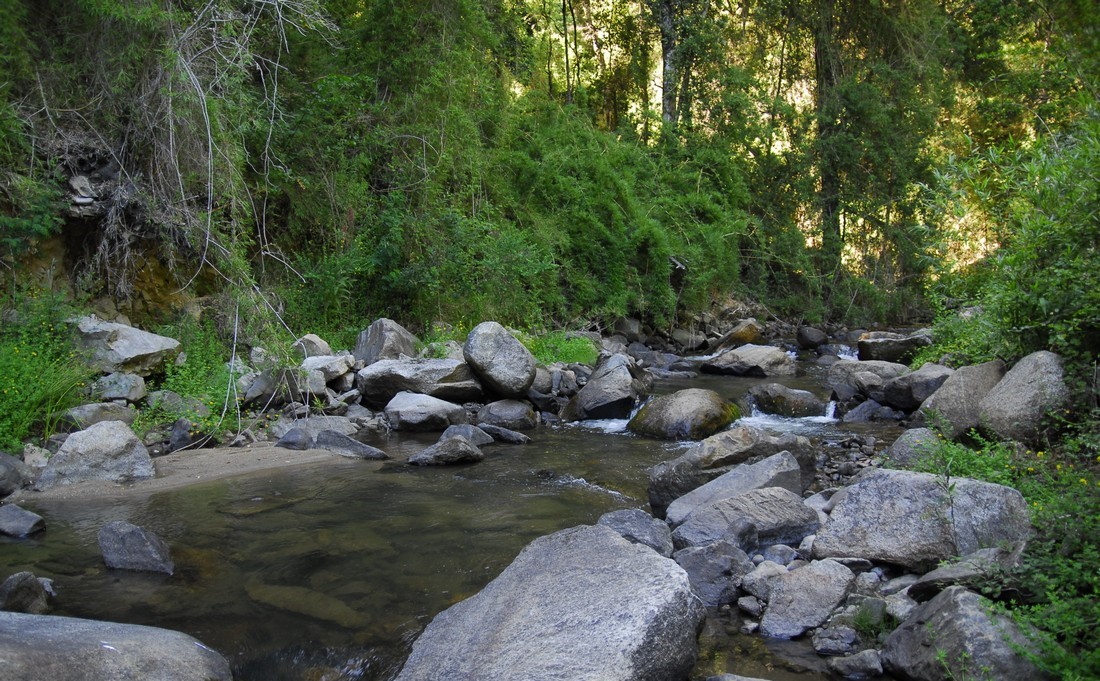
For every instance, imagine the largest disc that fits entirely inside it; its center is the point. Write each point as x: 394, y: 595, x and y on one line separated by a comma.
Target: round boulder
x: 773, y: 398
x: 510, y: 414
x: 691, y: 414
x: 501, y: 361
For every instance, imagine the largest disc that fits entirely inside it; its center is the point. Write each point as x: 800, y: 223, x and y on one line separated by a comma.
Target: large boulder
x: 14, y: 474
x: 505, y: 366
x: 775, y: 398
x: 958, y: 635
x: 690, y: 414
x: 339, y: 443
x: 804, y: 598
x: 953, y: 408
x: 745, y: 332
x: 637, y: 526
x: 47, y: 648
x: 714, y: 571
x: 610, y: 393
x: 84, y: 415
x: 844, y: 376
x: 120, y: 386
x: 891, y: 347
x: 907, y: 392
x: 714, y: 456
x: 411, y: 411
x: 384, y: 339
x: 16, y: 521
x: 24, y: 592
x: 582, y: 604
x: 778, y: 470
x: 314, y: 425
x: 128, y: 547
x: 510, y: 414
x: 917, y: 520
x: 330, y: 366
x: 752, y: 360
x: 779, y: 515
x: 446, y: 379
x: 116, y: 347
x: 809, y: 338
x: 105, y: 451
x: 448, y: 451
x: 312, y: 345
x: 1015, y: 408
x: 911, y: 446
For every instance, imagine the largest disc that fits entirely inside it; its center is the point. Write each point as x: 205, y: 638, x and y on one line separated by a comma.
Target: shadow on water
x: 331, y: 571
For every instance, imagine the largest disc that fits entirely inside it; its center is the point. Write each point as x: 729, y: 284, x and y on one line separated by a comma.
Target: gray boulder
x: 670, y: 480
x: 1015, y: 408
x: 774, y: 398
x: 452, y: 450
x: 330, y: 366
x: 804, y: 598
x: 690, y: 414
x: 911, y: 446
x: 128, y: 547
x: 314, y: 425
x: 953, y: 408
x: 338, y: 443
x: 510, y: 414
x: 910, y: 519
x: 410, y: 411
x: 14, y: 474
x: 19, y: 522
x: 84, y: 415
x: 47, y: 648
x: 909, y: 391
x: 105, y: 451
x: 958, y: 635
x: 714, y: 571
x: 312, y: 345
x: 629, y: 328
x: 610, y: 393
x: 384, y: 339
x: 761, y: 579
x: 891, y: 347
x: 505, y: 366
x: 866, y: 664
x: 635, y: 525
x: 116, y: 347
x: 974, y: 570
x: 504, y: 435
x: 809, y: 338
x: 119, y: 386
x: 752, y: 360
x: 446, y: 379
x: 23, y: 592
x: 779, y: 515
x: 582, y: 604
x: 842, y: 376
x: 475, y: 435
x: 778, y: 470
x: 689, y: 340
x: 297, y: 439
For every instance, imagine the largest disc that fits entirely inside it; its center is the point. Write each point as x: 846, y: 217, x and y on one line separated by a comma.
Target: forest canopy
x: 558, y: 163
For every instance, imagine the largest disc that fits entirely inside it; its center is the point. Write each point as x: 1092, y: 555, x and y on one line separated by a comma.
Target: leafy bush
x: 561, y: 346
x: 42, y: 373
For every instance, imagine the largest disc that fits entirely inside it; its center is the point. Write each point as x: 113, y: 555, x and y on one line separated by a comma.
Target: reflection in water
x: 331, y: 571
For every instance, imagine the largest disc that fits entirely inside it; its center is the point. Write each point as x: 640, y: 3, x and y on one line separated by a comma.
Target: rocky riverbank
x: 806, y: 541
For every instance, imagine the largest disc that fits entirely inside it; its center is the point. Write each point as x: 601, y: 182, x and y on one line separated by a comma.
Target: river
x: 330, y: 571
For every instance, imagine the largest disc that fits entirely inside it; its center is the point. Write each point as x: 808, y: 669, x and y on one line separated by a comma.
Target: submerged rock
x: 582, y: 604
x: 19, y: 522
x: 128, y: 547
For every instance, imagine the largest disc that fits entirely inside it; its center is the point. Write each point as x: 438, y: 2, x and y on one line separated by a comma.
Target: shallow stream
x: 330, y: 571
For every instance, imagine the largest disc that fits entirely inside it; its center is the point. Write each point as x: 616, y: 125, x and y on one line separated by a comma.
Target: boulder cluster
x: 871, y: 563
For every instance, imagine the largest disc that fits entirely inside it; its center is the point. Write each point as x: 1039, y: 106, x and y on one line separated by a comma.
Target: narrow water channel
x: 330, y: 571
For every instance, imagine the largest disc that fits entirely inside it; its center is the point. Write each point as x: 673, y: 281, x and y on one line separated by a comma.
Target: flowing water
x: 330, y: 571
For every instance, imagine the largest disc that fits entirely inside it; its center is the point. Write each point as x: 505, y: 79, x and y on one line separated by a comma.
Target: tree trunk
x: 827, y: 77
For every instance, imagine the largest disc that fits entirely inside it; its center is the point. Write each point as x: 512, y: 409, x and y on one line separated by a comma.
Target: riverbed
x: 330, y: 568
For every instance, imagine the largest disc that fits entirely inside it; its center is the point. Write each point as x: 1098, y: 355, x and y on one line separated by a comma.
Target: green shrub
x: 560, y: 346
x: 41, y: 372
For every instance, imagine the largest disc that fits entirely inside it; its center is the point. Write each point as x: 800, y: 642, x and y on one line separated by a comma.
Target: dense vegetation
x: 310, y: 165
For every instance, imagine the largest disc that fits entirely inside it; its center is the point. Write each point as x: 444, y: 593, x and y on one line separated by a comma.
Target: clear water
x: 330, y: 571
